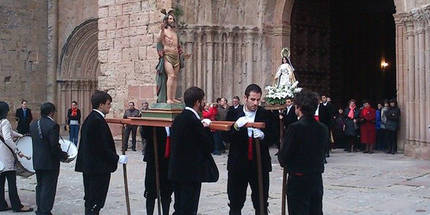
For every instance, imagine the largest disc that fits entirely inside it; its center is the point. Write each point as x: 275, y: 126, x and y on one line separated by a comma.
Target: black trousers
x: 96, y: 189
x: 237, y: 184
x: 305, y: 194
x: 166, y: 188
x: 391, y: 137
x: 187, y: 195
x: 13, y: 191
x: 46, y: 189
x: 133, y: 130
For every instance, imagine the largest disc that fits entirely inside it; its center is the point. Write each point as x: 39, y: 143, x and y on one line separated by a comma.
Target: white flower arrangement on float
x: 278, y: 95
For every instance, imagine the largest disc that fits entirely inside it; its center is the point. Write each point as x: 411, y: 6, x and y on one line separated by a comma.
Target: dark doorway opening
x: 345, y: 49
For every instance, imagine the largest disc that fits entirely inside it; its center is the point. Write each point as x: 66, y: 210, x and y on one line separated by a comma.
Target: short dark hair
x: 100, y: 97
x: 131, y: 103
x: 252, y: 88
x: 218, y: 99
x: 47, y: 108
x: 76, y: 103
x: 226, y: 101
x: 236, y: 97
x: 192, y: 95
x: 22, y: 101
x: 307, y: 101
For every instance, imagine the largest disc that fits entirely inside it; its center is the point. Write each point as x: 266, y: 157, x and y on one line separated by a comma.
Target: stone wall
x: 127, y: 31
x: 23, y: 52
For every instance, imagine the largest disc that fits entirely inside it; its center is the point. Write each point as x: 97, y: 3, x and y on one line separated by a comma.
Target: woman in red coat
x: 367, y: 128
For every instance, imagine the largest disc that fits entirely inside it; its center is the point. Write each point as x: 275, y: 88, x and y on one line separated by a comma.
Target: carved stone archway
x: 78, y: 69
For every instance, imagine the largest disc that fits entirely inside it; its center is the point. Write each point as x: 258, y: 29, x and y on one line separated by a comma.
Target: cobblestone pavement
x: 354, y: 183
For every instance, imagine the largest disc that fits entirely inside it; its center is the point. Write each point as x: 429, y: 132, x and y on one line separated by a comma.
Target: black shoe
x: 6, y: 209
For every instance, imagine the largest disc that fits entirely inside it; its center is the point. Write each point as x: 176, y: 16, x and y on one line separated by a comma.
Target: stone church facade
x: 62, y: 50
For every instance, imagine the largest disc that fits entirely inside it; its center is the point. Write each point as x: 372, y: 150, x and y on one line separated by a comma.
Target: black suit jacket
x: 23, y: 123
x: 191, y: 147
x: 96, y: 153
x: 47, y: 152
x: 304, y: 146
x: 149, y: 155
x: 238, y: 153
x: 326, y: 113
x: 289, y: 117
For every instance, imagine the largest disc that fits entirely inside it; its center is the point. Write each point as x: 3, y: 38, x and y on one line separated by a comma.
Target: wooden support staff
x: 284, y: 171
x: 124, y: 170
x: 157, y: 170
x: 259, y: 165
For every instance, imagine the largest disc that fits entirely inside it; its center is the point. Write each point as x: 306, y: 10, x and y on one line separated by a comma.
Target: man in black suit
x: 24, y: 117
x: 97, y: 157
x: 302, y: 154
x: 326, y: 116
x: 166, y: 190
x: 235, y: 104
x: 191, y: 147
x: 241, y: 164
x: 289, y: 115
x: 47, y: 155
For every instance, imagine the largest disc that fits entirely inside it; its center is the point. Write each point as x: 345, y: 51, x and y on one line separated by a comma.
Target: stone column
x: 410, y: 79
x: 189, y: 68
x: 51, y: 70
x: 210, y: 67
x: 421, y: 77
x: 229, y: 71
x: 249, y: 56
x: 427, y: 77
x: 401, y: 73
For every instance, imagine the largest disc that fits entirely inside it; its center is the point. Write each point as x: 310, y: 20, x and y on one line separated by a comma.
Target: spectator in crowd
x: 367, y: 127
x: 130, y: 112
x: 221, y: 115
x: 339, y: 129
x: 393, y: 120
x: 210, y: 111
x: 351, y: 116
x: 384, y: 112
x: 144, y: 107
x: 326, y: 115
x: 73, y: 122
x: 379, y: 135
x: 235, y: 103
x: 24, y: 117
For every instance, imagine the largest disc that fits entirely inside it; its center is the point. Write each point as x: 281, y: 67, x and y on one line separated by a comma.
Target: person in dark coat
x: 47, y: 154
x: 339, y: 130
x: 242, y: 162
x: 97, y: 157
x: 326, y: 115
x: 302, y: 154
x: 392, y: 125
x: 73, y: 121
x: 289, y: 114
x: 166, y: 189
x: 191, y: 147
x: 24, y: 117
x: 351, y: 116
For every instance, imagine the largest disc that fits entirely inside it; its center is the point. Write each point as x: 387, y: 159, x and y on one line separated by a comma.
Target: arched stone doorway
x: 338, y: 47
x: 78, y: 70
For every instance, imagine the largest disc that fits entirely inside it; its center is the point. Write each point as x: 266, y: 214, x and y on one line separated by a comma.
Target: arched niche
x: 78, y: 69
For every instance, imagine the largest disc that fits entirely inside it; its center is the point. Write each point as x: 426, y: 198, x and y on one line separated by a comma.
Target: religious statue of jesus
x: 170, y: 63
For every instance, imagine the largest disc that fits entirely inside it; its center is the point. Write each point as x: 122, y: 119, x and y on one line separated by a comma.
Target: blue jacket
x: 378, y: 119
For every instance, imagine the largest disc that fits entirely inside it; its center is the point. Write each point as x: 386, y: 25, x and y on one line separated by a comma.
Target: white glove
x: 258, y: 134
x: 123, y: 159
x: 241, y: 121
x: 206, y: 122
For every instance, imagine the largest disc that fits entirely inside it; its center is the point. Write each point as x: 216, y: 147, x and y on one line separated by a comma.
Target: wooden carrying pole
x: 259, y: 167
x: 284, y: 171
x: 124, y: 171
x: 157, y: 170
